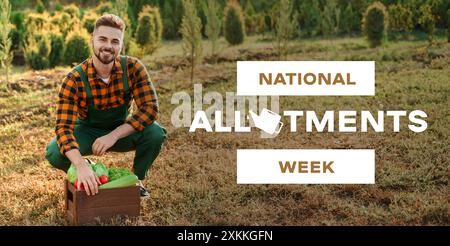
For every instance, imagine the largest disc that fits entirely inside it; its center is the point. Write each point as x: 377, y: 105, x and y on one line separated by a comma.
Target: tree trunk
x: 192, y: 65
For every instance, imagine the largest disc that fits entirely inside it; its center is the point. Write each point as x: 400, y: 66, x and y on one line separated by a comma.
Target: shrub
x: 104, y: 7
x: 40, y: 7
x: 89, y: 19
x: 448, y: 25
x: 77, y: 48
x: 375, y: 22
x: 149, y: 29
x: 234, y: 27
x: 427, y: 21
x: 72, y: 10
x: 400, y: 18
x: 36, y: 53
x: 56, y: 50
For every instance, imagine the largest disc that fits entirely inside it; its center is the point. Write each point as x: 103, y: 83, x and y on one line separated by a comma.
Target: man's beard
x: 104, y: 59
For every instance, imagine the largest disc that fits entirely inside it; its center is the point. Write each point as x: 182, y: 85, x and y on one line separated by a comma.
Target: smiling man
x: 92, y: 109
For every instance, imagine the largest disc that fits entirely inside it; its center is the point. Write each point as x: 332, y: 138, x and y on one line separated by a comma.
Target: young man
x: 92, y: 109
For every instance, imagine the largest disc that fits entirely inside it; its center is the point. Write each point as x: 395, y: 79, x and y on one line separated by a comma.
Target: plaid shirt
x: 72, y: 96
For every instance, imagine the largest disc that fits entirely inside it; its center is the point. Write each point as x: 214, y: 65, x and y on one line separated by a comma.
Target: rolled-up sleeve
x: 66, y: 115
x: 145, y: 97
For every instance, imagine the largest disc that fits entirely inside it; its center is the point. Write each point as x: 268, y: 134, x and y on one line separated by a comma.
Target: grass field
x: 193, y: 181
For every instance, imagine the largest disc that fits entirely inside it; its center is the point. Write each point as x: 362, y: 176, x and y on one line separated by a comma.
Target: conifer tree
x: 5, y: 40
x: 213, y: 24
x: 191, y: 27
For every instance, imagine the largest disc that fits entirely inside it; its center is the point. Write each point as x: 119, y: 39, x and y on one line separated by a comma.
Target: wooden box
x: 106, y: 204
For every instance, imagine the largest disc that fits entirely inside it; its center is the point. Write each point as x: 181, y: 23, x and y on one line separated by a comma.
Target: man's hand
x: 102, y: 144
x: 87, y: 178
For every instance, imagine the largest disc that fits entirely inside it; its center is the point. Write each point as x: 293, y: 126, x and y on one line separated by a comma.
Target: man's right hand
x: 87, y: 178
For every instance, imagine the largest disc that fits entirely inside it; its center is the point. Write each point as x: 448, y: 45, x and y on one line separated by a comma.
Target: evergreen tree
x: 149, y: 30
x: 400, y: 18
x: 234, y: 27
x: 427, y: 21
x: 375, y: 23
x: 286, y: 25
x: 347, y: 23
x: 330, y: 19
x: 5, y: 40
x: 120, y: 8
x: 213, y: 24
x: 192, y: 37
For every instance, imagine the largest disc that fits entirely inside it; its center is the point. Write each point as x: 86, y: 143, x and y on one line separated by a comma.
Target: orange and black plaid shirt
x: 72, y: 98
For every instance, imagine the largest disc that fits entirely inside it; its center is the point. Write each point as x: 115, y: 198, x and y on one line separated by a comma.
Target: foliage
x: 234, y: 27
x: 375, y: 23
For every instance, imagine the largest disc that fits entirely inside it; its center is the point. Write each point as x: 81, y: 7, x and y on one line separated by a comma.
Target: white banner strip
x: 305, y: 166
x: 305, y: 78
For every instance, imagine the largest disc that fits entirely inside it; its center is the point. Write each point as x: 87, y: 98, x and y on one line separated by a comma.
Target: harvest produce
x: 109, y: 178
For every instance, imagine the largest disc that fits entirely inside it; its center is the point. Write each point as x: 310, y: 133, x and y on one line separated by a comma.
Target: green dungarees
x: 98, y: 123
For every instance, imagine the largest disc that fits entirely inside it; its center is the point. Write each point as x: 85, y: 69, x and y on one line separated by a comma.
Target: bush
x: 58, y: 6
x: 64, y: 23
x: 17, y: 34
x: 104, y: 7
x: 36, y: 54
x: 234, y: 27
x: 77, y: 48
x: 310, y: 17
x: 400, y: 18
x: 89, y: 19
x: 149, y: 29
x: 73, y: 11
x: 40, y: 7
x: 427, y: 21
x: 375, y: 23
x: 135, y: 49
x: 56, y: 50
x: 448, y: 25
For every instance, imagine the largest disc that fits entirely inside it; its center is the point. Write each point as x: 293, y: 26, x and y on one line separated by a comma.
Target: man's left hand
x: 102, y: 144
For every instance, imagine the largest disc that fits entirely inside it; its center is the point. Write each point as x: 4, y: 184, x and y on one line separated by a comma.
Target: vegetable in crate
x: 125, y: 181
x: 116, y: 173
x: 72, y: 173
x: 100, y: 169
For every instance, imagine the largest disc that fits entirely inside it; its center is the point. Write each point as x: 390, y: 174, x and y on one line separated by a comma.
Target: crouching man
x: 92, y: 109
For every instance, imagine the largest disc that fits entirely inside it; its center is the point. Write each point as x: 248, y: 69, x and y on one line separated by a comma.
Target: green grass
x: 193, y: 181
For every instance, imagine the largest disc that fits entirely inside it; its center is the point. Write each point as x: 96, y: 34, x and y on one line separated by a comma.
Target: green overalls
x: 98, y: 123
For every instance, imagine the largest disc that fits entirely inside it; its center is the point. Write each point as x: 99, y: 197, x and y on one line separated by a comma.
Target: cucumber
x: 124, y: 181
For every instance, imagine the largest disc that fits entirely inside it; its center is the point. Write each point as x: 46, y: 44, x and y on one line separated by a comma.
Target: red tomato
x: 103, y: 179
x: 76, y: 185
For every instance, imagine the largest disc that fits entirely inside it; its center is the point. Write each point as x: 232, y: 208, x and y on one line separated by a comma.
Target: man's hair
x: 111, y: 21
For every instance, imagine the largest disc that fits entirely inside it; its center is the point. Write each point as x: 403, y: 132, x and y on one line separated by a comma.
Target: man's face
x: 107, y: 43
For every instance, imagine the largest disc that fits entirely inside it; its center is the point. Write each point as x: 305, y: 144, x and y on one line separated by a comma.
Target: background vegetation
x: 193, y: 181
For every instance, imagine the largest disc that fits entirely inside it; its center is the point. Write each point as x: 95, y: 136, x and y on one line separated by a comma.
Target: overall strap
x: 125, y: 78
x: 86, y: 83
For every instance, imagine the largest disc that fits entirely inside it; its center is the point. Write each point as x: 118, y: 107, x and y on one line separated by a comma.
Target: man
x: 92, y: 109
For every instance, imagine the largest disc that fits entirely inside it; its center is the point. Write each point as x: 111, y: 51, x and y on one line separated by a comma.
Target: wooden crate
x: 81, y: 208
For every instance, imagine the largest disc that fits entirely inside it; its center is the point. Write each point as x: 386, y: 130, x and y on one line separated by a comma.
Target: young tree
x: 330, y: 19
x: 285, y: 27
x: 120, y: 8
x: 310, y: 17
x: 448, y: 25
x: 213, y: 24
x: 375, y: 23
x: 191, y: 27
x: 149, y: 30
x: 234, y: 27
x: 5, y: 40
x: 427, y: 21
x: 400, y: 18
x: 347, y: 20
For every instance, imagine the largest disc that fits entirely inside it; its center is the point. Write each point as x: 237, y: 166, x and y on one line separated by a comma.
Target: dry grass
x: 193, y: 181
